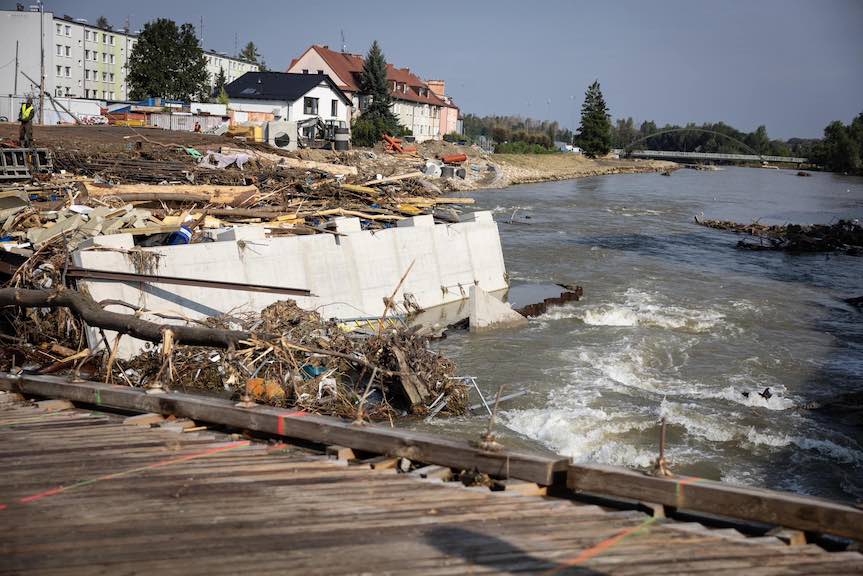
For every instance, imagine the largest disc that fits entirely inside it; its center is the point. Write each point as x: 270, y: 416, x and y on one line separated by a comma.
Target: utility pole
x: 42, y: 63
x: 15, y: 90
x: 202, y: 31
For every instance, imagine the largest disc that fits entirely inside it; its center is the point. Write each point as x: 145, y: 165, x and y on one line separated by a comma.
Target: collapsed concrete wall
x: 349, y: 275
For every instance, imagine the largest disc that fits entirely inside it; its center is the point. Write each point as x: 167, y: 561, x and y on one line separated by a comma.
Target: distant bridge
x: 709, y: 156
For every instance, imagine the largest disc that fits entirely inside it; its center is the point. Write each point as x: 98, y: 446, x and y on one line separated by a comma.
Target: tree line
x: 840, y: 150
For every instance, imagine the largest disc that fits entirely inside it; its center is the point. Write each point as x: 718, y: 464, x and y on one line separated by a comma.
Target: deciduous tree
x: 168, y: 62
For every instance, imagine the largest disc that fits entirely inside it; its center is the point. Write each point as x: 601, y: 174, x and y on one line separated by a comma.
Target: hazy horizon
x: 793, y: 66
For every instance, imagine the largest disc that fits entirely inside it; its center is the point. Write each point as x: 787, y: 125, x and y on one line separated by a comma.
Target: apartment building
x: 81, y: 59
x: 233, y: 67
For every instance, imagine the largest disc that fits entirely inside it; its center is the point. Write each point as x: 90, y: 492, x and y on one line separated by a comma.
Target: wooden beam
x: 705, y: 496
x: 340, y: 453
x: 415, y: 446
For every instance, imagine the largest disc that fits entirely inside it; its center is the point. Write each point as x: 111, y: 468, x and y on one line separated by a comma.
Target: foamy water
x: 677, y: 324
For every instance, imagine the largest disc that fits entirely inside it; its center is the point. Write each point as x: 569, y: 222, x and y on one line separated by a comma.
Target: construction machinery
x: 308, y: 133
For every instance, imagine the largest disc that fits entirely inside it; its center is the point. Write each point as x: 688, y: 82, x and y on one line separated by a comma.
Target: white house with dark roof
x: 268, y: 96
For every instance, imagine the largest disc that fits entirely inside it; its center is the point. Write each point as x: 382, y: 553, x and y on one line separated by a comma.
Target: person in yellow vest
x: 25, y: 117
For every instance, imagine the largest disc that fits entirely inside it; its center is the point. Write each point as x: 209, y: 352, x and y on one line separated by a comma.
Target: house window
x: 310, y: 106
x: 86, y: 54
x: 112, y: 40
x: 112, y: 58
x: 104, y: 38
x: 58, y: 91
x: 68, y: 72
x: 58, y: 70
x: 68, y: 30
x: 104, y: 76
x: 320, y: 71
x: 111, y: 76
x: 68, y: 51
x: 59, y: 29
x: 334, y: 108
x: 105, y: 94
x: 112, y: 95
x: 305, y: 70
x: 59, y: 50
x: 104, y: 57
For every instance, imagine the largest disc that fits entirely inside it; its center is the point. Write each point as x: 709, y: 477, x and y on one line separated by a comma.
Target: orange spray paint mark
x: 186, y: 458
x: 603, y: 546
x: 281, y: 418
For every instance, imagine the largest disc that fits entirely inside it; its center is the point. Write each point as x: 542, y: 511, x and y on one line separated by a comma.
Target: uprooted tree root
x: 284, y: 356
x: 842, y: 236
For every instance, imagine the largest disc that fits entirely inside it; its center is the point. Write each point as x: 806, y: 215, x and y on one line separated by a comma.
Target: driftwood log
x: 95, y: 315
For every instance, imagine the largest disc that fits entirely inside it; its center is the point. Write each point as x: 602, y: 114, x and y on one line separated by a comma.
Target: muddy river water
x: 676, y: 323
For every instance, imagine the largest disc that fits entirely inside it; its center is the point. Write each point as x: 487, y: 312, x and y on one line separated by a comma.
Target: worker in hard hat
x: 25, y: 117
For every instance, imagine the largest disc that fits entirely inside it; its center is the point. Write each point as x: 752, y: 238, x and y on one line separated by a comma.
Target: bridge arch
x: 628, y: 148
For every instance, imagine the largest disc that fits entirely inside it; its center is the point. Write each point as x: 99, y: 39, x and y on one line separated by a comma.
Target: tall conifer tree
x: 594, y: 132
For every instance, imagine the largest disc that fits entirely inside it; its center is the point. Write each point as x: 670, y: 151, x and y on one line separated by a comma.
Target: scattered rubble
x: 842, y: 236
x: 172, y: 189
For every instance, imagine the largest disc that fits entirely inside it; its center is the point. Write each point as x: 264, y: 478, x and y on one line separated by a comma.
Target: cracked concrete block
x: 489, y: 313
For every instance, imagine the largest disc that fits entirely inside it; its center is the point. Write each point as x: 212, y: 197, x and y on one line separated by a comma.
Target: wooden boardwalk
x: 82, y: 492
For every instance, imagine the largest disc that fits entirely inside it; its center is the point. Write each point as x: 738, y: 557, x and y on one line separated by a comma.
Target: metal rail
x: 87, y: 274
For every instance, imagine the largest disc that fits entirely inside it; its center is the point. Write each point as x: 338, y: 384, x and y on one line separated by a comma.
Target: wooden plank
x: 341, y: 453
x: 381, y: 463
x: 699, y: 495
x: 144, y: 419
x: 415, y: 446
x: 433, y: 472
x: 55, y: 405
x: 523, y: 488
x: 204, y: 192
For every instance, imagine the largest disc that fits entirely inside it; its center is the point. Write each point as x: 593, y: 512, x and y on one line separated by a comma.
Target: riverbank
x: 484, y: 170
x: 533, y: 168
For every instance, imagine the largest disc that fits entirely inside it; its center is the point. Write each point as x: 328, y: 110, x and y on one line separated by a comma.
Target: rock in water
x: 489, y: 313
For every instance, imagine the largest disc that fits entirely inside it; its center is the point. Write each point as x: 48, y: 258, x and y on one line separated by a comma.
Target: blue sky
x: 792, y: 65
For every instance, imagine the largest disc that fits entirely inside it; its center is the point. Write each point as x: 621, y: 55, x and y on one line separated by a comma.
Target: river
x: 677, y: 323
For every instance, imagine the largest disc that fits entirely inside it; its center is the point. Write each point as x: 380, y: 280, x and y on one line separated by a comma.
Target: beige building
x: 415, y: 104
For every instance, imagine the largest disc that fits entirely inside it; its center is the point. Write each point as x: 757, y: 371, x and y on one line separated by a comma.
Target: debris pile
x: 842, y: 236
x: 294, y: 358
x: 284, y: 356
x: 185, y: 189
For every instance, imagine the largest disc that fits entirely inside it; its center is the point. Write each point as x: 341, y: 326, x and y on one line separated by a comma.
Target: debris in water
x: 843, y: 236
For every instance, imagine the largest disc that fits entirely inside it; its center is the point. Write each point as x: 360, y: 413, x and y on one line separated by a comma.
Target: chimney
x: 438, y: 87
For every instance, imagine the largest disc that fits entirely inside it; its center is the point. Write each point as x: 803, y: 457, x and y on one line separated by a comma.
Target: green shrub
x: 455, y: 137
x: 368, y: 131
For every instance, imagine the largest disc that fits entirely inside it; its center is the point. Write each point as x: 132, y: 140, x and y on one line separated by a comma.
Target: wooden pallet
x: 84, y: 493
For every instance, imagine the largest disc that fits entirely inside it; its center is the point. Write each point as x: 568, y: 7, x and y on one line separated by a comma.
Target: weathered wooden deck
x: 83, y: 493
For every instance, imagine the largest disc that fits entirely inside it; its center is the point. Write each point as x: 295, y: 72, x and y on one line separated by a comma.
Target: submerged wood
x: 842, y: 236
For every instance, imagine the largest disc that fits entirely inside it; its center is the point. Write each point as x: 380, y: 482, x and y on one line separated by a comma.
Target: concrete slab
x: 349, y: 276
x: 489, y: 313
